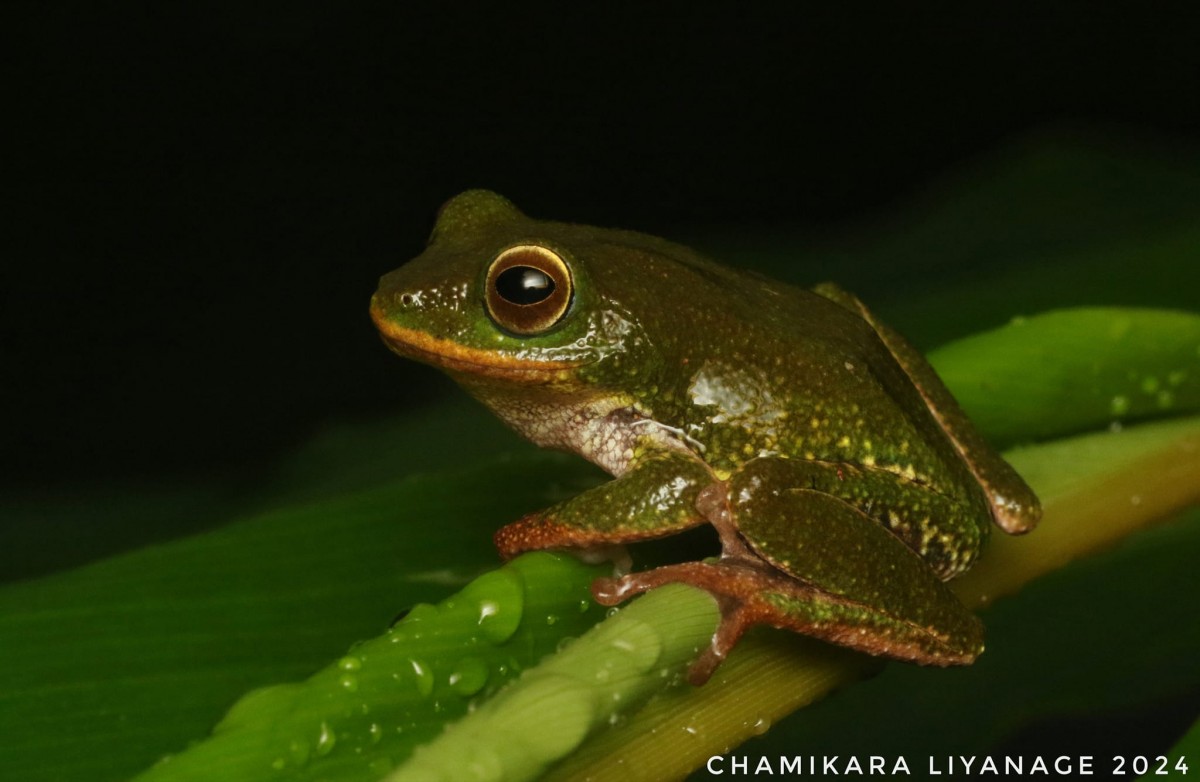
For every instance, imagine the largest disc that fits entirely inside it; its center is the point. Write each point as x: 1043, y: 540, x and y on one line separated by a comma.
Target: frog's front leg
x: 820, y: 566
x: 656, y: 496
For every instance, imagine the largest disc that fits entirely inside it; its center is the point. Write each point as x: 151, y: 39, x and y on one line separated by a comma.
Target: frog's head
x: 498, y: 299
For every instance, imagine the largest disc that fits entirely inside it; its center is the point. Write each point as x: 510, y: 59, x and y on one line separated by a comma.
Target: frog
x: 845, y: 484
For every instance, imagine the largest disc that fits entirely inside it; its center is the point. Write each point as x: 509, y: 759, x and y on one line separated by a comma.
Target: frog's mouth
x: 455, y: 357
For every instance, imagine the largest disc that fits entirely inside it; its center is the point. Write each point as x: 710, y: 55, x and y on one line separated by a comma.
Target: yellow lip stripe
x: 460, y: 357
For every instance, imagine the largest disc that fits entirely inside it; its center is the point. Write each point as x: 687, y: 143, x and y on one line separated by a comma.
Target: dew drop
x: 1176, y: 378
x: 1165, y: 399
x: 551, y: 619
x: 326, y: 739
x: 424, y: 677
x: 584, y: 606
x: 278, y: 764
x: 349, y: 682
x: 350, y: 663
x: 499, y: 598
x: 691, y: 730
x: 639, y: 645
x: 375, y: 732
x: 469, y: 676
x: 1150, y: 384
x: 1119, y: 405
x: 760, y: 726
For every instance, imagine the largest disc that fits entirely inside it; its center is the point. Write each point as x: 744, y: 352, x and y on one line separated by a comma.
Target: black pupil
x: 524, y: 285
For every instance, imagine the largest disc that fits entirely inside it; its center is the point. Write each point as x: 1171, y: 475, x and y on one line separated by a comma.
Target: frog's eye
x: 528, y: 289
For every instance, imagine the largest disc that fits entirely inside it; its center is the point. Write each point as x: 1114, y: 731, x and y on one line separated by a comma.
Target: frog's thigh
x: 656, y: 497
x: 1014, y: 506
x: 856, y: 584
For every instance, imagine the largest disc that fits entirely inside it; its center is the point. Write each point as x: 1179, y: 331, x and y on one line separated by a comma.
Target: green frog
x: 844, y: 482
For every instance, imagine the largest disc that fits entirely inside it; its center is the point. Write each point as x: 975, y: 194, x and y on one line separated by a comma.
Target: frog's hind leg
x: 810, y: 562
x: 855, y: 582
x: 1015, y: 507
x: 749, y: 596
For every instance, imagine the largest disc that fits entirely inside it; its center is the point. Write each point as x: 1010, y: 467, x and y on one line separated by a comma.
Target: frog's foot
x: 738, y: 588
x: 749, y: 594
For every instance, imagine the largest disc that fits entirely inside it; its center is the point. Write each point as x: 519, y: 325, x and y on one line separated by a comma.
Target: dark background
x: 200, y: 198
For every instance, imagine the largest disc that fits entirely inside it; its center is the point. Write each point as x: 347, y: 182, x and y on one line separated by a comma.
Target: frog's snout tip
x: 377, y: 311
x: 387, y: 304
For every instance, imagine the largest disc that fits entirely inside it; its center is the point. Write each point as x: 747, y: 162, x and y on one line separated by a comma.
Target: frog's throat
x: 456, y: 357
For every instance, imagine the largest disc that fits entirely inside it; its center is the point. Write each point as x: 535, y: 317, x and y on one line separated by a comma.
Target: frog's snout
x: 388, y: 304
x: 377, y: 310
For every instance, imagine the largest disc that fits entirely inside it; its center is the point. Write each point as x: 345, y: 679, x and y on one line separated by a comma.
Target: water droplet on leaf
x: 326, y: 740
x: 424, y: 677
x: 469, y: 676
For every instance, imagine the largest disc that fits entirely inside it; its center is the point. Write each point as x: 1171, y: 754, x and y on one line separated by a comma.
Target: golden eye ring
x: 528, y: 289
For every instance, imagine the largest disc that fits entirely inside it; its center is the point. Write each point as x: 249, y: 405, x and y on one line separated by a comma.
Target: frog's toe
x: 737, y: 616
x: 616, y: 590
x: 734, y: 587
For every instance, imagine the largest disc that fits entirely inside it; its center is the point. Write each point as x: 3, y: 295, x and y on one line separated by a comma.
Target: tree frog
x: 844, y: 482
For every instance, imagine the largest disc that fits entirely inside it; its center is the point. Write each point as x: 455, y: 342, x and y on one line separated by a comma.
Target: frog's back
x: 754, y: 367
x: 861, y: 405
x: 797, y: 374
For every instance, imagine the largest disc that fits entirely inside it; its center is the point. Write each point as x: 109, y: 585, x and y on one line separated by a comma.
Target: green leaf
x: 1071, y: 371
x: 108, y: 667
x: 357, y: 717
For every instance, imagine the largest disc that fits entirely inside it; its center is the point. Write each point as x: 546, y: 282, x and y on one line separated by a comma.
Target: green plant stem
x: 622, y: 661
x: 389, y: 694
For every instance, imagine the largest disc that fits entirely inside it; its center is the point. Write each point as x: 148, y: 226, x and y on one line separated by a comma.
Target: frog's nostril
x: 407, y: 299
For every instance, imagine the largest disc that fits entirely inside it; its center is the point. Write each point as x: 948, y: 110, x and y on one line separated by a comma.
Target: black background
x: 201, y: 197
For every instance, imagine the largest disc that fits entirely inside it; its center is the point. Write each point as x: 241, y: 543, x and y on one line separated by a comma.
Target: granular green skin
x: 843, y: 479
